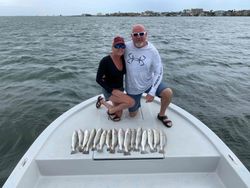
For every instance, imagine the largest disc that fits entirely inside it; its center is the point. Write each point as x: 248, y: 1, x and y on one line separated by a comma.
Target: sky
x: 77, y: 7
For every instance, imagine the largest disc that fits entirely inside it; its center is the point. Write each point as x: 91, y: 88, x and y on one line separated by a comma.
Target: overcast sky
x: 76, y: 7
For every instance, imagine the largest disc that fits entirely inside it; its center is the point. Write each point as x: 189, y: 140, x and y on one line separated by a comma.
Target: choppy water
x: 48, y: 65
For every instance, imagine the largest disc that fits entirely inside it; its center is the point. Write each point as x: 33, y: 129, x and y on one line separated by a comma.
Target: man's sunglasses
x: 118, y: 46
x: 141, y: 34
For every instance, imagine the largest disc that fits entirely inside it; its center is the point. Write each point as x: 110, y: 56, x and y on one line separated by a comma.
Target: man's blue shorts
x: 137, y: 98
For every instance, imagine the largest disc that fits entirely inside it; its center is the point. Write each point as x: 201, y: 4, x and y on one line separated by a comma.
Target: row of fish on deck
x: 126, y: 140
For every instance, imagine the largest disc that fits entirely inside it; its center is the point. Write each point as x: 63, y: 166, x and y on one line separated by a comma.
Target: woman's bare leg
x: 121, y: 101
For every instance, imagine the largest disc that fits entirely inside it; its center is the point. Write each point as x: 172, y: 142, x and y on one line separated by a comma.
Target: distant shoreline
x: 185, y: 12
x: 198, y: 12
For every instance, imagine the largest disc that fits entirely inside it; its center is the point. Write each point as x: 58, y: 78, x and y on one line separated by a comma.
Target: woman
x: 110, y: 75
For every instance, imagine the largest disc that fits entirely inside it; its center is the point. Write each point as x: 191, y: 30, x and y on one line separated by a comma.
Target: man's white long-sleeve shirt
x: 144, y: 69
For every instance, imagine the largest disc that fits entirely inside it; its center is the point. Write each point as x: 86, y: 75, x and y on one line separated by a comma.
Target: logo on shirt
x: 140, y: 60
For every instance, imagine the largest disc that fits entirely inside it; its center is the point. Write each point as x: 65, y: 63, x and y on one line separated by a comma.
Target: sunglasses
x: 120, y: 46
x: 141, y: 34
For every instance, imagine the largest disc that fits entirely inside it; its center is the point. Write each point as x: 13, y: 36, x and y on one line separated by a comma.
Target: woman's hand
x: 149, y: 98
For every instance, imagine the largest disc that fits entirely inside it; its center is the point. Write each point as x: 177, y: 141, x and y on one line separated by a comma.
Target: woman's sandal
x: 164, y: 119
x: 98, y: 102
x: 113, y: 117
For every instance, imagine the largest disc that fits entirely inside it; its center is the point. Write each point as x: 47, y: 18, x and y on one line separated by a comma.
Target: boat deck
x: 183, y: 139
x: 190, y: 159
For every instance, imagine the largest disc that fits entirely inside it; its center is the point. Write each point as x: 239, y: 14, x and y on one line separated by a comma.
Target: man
x: 144, y: 73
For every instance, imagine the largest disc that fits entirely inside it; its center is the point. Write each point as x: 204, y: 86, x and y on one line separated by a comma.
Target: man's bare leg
x: 166, y: 96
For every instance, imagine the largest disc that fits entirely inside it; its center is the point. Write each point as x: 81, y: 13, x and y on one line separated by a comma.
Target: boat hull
x: 194, y: 156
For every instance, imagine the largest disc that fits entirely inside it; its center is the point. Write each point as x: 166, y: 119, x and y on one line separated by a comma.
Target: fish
x: 120, y: 140
x: 85, y: 139
x: 127, y: 142
x: 144, y: 141
x: 108, y: 139
x: 97, y: 138
x: 151, y: 140
x: 163, y: 141
x: 80, y: 139
x: 102, y: 141
x: 90, y: 141
x: 133, y: 137
x: 138, y: 138
x: 156, y: 139
x: 114, y: 140
x: 74, y: 141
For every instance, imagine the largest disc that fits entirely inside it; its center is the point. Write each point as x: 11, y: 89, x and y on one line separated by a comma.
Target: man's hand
x: 149, y: 98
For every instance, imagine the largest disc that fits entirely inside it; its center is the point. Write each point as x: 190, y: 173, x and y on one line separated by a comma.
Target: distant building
x: 219, y: 13
x: 243, y: 13
x: 196, y: 11
x: 186, y: 12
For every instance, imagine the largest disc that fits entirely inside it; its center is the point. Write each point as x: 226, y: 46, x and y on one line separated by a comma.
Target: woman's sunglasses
x: 141, y: 34
x: 120, y: 46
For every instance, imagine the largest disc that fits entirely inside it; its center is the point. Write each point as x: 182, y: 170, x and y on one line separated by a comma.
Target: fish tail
x: 85, y: 152
x: 100, y: 149
x: 79, y: 148
x: 120, y: 150
x: 73, y: 152
x: 93, y: 148
x: 152, y: 150
x: 127, y: 153
x: 82, y: 148
x: 143, y: 152
x: 136, y: 148
x: 161, y: 151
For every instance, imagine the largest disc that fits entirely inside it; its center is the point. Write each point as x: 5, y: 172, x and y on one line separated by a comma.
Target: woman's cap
x: 118, y: 40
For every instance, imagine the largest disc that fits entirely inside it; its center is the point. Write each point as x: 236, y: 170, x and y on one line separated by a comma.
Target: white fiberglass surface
x: 183, y: 139
x: 170, y: 180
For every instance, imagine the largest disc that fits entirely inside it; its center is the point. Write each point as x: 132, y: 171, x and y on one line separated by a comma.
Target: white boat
x: 194, y: 156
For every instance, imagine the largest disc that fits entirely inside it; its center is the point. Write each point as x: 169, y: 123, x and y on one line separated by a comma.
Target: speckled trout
x: 74, y: 141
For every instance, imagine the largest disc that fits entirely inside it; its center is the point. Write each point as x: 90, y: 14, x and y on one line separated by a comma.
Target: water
x: 48, y: 65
